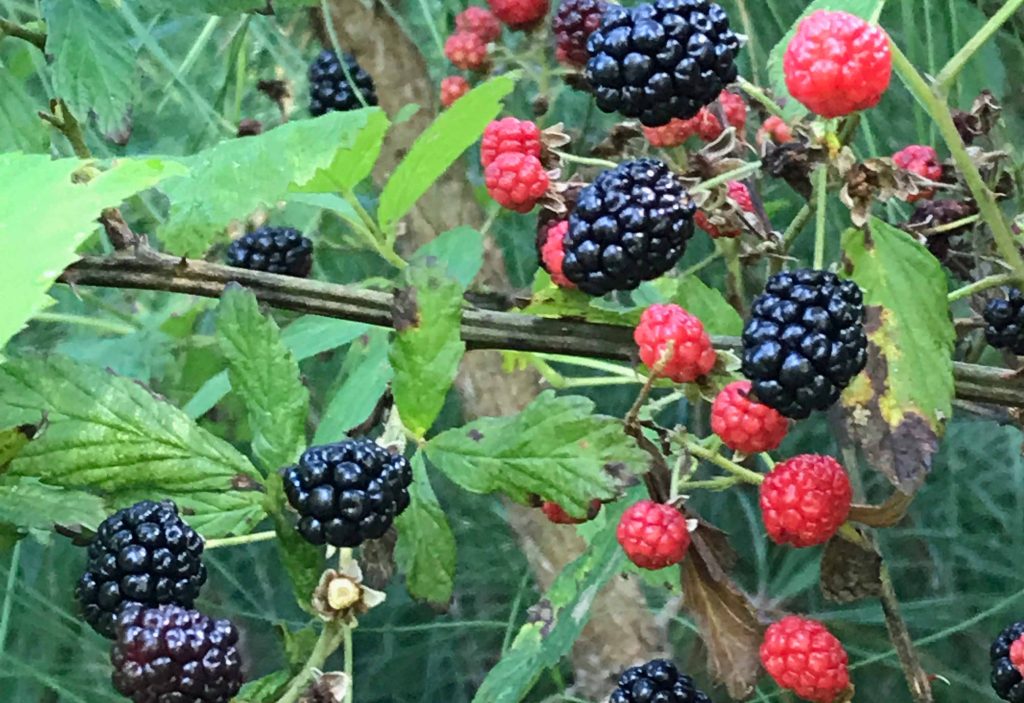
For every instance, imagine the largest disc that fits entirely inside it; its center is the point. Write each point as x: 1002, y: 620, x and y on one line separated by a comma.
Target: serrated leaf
x: 265, y: 689
x: 28, y: 504
x: 427, y: 347
x: 792, y: 109
x: 307, y: 336
x: 266, y: 375
x: 94, y: 66
x: 425, y: 551
x: 367, y: 373
x: 56, y: 231
x: 110, y: 435
x: 459, y: 250
x: 555, y: 448
x: 439, y: 146
x: 557, y: 620
x: 896, y: 410
x: 270, y: 164
x: 23, y: 130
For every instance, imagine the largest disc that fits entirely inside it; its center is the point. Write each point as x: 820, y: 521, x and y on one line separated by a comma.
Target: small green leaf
x: 555, y: 448
x: 427, y: 348
x: 266, y: 375
x: 439, y: 146
x: 897, y: 408
x: 367, y: 373
x: 56, y: 231
x: 272, y: 164
x: 459, y: 250
x: 540, y: 645
x: 265, y: 689
x: 28, y: 504
x: 354, y: 164
x: 792, y: 109
x: 107, y: 434
x: 426, y: 546
x: 23, y: 130
x: 708, y: 304
x: 94, y: 66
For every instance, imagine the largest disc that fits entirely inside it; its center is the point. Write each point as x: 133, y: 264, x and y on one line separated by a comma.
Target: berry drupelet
x: 630, y: 225
x: 657, y: 681
x: 329, y: 88
x: 273, y: 249
x: 348, y: 492
x: 660, y: 60
x: 1004, y: 322
x: 804, y: 341
x: 142, y: 554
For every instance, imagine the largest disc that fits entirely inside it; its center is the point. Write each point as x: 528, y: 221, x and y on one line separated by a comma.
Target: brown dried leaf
x: 728, y: 620
x: 378, y: 560
x: 876, y: 179
x: 617, y: 142
x: 849, y: 571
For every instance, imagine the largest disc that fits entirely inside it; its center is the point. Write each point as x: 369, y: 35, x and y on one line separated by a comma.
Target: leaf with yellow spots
x: 896, y: 409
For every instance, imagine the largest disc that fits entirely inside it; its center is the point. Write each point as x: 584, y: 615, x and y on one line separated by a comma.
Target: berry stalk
x: 334, y: 634
x: 999, y: 279
x: 956, y: 64
x: 743, y: 474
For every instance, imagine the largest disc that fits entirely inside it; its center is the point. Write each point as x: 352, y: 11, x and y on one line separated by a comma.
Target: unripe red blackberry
x: 479, y: 21
x: 575, y: 21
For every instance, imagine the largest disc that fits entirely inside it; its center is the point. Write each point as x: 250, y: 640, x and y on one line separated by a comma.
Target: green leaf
x: 56, y: 231
x: 352, y: 165
x: 110, y: 435
x: 265, y: 689
x: 336, y: 204
x: 426, y: 546
x: 221, y: 7
x: 266, y: 375
x: 565, y: 611
x: 367, y: 373
x: 94, y: 67
x: 427, y: 348
x: 792, y: 109
x: 28, y: 504
x: 272, y: 164
x: 12, y: 441
x: 459, y: 250
x: 307, y: 336
x: 897, y: 408
x: 303, y: 561
x: 555, y: 448
x: 23, y: 130
x: 708, y: 304
x: 439, y: 146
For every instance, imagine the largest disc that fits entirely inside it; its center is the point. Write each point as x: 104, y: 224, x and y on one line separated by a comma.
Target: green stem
x: 331, y: 637
x: 741, y: 473
x: 734, y: 175
x: 709, y: 259
x: 956, y: 64
x: 998, y: 279
x: 939, y: 112
x: 587, y: 363
x: 5, y: 614
x: 240, y: 539
x: 584, y: 160
x: 950, y: 226
x: 381, y: 242
x: 84, y: 321
x: 13, y: 29
x: 761, y: 97
x: 587, y: 381
x: 715, y: 484
x: 820, y: 195
x: 349, y: 668
x: 325, y: 10
x: 796, y: 226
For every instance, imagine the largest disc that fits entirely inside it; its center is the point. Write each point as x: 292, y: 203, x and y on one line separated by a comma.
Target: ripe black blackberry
x: 661, y: 60
x: 171, y: 654
x: 657, y: 681
x: 630, y: 225
x: 1004, y: 322
x: 574, y: 22
x: 143, y: 554
x: 329, y: 88
x: 347, y: 492
x: 804, y: 341
x: 1007, y: 655
x: 273, y: 249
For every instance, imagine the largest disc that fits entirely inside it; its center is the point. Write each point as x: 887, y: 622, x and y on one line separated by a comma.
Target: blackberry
x: 273, y: 249
x: 657, y: 681
x: 1006, y: 654
x: 144, y: 554
x: 574, y: 22
x: 347, y: 492
x: 329, y: 88
x: 661, y: 60
x: 1004, y: 322
x: 172, y: 654
x: 630, y: 225
x: 804, y: 341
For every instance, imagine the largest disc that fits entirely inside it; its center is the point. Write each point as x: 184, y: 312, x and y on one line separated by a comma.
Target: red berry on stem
x: 556, y: 513
x: 516, y: 181
x: 923, y: 161
x: 509, y: 135
x: 704, y: 124
x: 519, y: 14
x: 774, y: 129
x: 744, y: 424
x: 739, y: 194
x: 653, y: 535
x: 453, y: 88
x: 837, y: 63
x: 805, y: 658
x: 552, y: 252
x: 805, y: 499
x: 479, y: 21
x: 466, y: 51
x: 692, y: 355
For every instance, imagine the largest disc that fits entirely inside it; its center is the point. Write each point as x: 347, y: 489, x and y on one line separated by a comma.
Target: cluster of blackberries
x: 143, y: 573
x: 1004, y: 322
x: 657, y: 681
x: 280, y: 250
x: 330, y: 89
